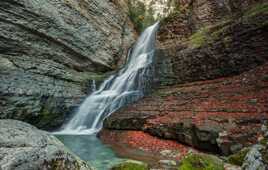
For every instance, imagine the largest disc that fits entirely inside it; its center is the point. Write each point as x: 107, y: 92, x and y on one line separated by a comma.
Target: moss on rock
x: 201, y: 162
x: 264, y: 141
x: 199, y: 38
x: 131, y: 165
x: 257, y: 9
x: 238, y: 158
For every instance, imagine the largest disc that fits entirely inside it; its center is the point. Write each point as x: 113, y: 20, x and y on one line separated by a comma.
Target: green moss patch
x: 131, y: 165
x: 211, y: 33
x: 201, y: 162
x: 200, y: 37
x: 238, y: 158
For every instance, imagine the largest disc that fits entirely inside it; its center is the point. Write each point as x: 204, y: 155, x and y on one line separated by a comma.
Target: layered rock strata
x: 51, y: 51
x: 213, y: 87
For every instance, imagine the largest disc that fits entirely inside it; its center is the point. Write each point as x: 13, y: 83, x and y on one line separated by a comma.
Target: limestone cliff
x: 50, y: 50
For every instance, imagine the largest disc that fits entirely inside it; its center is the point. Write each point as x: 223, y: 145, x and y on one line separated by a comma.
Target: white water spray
x: 125, y: 87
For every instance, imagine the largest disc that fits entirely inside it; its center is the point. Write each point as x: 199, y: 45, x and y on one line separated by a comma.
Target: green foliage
x: 201, y: 162
x: 139, y: 15
x: 238, y: 158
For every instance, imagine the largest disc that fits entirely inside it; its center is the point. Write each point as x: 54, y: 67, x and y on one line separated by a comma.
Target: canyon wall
x: 211, y: 78
x: 51, y: 50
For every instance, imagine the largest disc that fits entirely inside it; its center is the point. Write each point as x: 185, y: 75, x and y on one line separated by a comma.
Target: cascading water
x: 94, y: 87
x: 127, y: 86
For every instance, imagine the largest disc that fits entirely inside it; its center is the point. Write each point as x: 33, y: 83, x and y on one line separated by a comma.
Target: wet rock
x: 23, y: 146
x: 256, y: 158
x: 238, y: 158
x: 50, y: 51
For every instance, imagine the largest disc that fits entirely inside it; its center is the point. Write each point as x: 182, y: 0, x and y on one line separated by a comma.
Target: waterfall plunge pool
x: 90, y: 149
x: 125, y: 87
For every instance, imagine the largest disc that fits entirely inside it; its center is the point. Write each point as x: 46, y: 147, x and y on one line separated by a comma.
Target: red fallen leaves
x: 235, y: 98
x: 145, y: 142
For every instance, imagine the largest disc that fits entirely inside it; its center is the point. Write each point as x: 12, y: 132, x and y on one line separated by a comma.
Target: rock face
x: 23, y: 146
x: 192, y: 15
x: 50, y: 51
x: 229, y: 47
x: 221, y: 115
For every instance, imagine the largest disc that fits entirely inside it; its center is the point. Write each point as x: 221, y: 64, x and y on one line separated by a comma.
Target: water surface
x: 89, y: 148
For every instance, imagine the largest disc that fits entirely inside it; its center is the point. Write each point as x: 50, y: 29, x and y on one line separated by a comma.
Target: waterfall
x: 122, y: 88
x: 93, y: 86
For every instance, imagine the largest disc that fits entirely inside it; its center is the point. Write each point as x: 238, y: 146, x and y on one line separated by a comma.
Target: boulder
x: 257, y: 156
x: 23, y: 146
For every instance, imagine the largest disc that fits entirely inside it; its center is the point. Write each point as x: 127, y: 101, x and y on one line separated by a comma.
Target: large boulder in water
x: 51, y: 50
x: 24, y: 147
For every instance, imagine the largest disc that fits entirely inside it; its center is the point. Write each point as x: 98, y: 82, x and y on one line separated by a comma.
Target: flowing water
x: 127, y: 86
x: 93, y: 86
